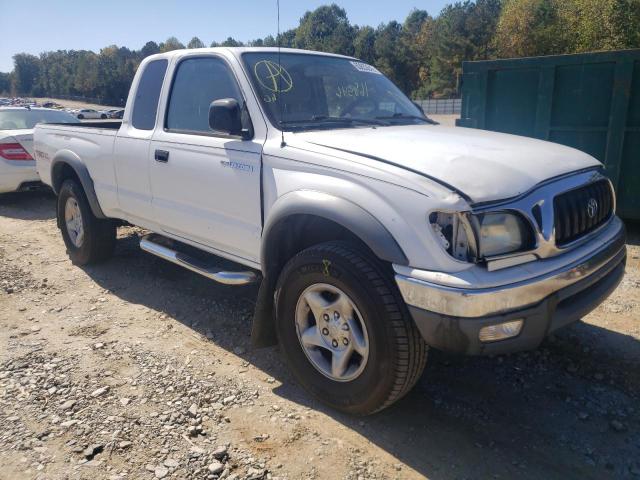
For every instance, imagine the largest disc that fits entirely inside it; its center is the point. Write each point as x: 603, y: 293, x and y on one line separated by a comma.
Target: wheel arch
x: 340, y: 211
x: 301, y: 219
x: 67, y: 165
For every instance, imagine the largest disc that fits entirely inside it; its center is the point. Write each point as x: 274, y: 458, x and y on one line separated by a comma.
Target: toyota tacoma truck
x: 374, y: 232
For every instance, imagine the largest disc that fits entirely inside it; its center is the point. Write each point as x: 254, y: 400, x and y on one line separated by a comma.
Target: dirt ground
x: 137, y: 369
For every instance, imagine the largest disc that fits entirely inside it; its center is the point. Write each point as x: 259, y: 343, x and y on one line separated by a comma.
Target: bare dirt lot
x: 138, y: 369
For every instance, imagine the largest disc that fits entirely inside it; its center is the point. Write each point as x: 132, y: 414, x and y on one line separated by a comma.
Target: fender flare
x: 339, y: 210
x: 67, y: 157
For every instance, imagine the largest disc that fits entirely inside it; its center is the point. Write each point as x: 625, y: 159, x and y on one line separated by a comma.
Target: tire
x: 396, y: 353
x: 81, y: 116
x: 103, y: 116
x: 98, y: 238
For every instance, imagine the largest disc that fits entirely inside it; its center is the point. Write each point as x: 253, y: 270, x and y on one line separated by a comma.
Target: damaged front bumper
x: 452, y: 318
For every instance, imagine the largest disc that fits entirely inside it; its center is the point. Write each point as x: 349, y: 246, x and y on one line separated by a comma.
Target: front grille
x: 582, y: 210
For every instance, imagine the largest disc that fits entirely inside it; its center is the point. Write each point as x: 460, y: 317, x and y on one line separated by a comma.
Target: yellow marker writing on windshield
x: 272, y: 76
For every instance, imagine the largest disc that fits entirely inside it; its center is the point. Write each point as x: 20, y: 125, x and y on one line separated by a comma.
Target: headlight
x: 472, y: 238
x: 500, y: 233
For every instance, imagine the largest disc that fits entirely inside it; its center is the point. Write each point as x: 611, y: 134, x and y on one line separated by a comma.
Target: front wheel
x: 88, y: 239
x: 345, y: 331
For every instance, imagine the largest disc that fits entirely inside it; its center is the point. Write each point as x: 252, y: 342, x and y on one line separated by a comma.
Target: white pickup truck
x: 374, y: 232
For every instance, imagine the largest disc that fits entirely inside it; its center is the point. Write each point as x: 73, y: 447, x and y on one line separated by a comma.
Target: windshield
x: 16, y: 119
x: 311, y: 91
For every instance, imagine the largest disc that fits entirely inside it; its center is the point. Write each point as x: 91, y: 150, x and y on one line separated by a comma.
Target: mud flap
x: 263, y: 329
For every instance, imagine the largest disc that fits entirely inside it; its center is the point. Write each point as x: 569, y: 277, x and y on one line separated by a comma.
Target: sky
x: 34, y: 26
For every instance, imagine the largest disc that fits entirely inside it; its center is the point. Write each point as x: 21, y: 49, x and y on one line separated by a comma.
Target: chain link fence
x: 441, y: 106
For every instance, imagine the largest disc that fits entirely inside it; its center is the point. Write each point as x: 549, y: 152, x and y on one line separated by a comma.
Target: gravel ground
x: 137, y: 369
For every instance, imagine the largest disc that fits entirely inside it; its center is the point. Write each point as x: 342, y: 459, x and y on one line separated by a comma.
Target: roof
x: 237, y: 51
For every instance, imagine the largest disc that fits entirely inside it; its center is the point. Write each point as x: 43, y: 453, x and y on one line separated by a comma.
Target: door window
x: 145, y: 105
x: 197, y: 83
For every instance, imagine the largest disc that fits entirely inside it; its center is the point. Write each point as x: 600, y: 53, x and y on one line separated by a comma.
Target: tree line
x: 423, y: 55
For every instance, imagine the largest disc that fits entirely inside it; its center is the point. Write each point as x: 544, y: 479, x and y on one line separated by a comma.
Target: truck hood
x: 483, y: 166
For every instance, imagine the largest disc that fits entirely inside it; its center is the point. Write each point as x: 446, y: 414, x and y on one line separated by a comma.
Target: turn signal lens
x: 501, y: 331
x: 14, y: 151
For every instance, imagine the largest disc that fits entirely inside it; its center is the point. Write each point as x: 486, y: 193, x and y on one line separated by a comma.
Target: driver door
x: 205, y: 187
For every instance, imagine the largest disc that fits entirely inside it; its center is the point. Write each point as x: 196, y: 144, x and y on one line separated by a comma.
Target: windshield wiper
x: 402, y: 116
x: 366, y: 121
x: 324, y: 121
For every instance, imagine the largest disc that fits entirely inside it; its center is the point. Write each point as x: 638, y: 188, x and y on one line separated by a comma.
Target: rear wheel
x: 88, y: 239
x: 345, y: 331
x: 81, y: 116
x: 103, y: 116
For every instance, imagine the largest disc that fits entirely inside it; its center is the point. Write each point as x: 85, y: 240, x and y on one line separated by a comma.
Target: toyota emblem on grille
x: 592, y: 207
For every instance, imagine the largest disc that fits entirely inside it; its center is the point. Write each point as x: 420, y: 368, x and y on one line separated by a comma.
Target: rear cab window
x: 145, y: 105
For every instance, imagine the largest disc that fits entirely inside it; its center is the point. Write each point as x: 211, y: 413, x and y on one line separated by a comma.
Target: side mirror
x: 225, y: 116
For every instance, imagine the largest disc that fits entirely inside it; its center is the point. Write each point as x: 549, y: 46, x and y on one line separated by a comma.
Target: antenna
x: 282, y: 142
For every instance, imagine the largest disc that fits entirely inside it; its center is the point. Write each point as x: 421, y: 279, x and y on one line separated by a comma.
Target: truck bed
x: 90, y: 143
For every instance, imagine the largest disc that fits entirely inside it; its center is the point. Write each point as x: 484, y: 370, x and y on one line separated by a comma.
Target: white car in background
x: 90, y: 113
x: 17, y: 166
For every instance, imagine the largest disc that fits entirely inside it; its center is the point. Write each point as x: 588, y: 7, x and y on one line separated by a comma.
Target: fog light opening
x: 501, y: 331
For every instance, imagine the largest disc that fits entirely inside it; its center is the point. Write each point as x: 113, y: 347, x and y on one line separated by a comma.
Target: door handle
x: 161, y: 156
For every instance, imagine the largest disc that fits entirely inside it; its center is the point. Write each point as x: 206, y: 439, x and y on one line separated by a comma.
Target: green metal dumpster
x: 588, y: 101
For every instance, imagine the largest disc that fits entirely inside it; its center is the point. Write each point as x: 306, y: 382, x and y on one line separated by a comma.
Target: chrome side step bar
x: 151, y: 243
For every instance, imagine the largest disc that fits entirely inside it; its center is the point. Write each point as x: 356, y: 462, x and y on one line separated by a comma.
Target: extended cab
x: 374, y: 232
